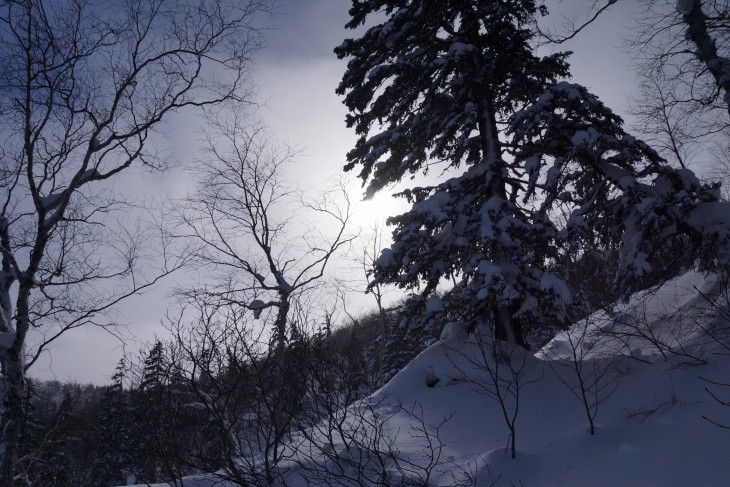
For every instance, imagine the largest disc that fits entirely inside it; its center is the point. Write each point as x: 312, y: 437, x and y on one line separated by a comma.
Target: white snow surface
x: 649, y: 432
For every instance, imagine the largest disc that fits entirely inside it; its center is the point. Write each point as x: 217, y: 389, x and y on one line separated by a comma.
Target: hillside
x: 650, y: 367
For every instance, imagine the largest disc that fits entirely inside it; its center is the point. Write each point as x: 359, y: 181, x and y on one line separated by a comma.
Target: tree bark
x: 14, y: 383
x: 504, y: 326
x: 697, y: 32
x: 280, y: 325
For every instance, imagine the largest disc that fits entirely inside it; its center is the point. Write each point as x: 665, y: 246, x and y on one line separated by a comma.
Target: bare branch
x: 573, y: 28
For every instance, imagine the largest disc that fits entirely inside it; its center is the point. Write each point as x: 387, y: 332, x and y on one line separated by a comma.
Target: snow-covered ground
x: 649, y: 367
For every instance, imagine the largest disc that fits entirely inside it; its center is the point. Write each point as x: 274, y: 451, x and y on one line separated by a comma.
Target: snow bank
x: 650, y: 426
x: 663, y: 320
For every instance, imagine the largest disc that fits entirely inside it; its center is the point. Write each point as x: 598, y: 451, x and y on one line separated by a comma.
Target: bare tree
x: 319, y: 428
x: 265, y: 243
x: 371, y: 244
x: 717, y: 329
x: 681, y: 50
x: 641, y: 327
x: 247, y: 416
x: 499, y: 370
x: 720, y: 166
x: 669, y: 125
x: 593, y: 375
x: 357, y: 446
x: 706, y: 28
x: 82, y: 91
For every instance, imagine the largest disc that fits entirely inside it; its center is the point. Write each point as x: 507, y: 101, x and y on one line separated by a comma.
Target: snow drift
x: 655, y: 371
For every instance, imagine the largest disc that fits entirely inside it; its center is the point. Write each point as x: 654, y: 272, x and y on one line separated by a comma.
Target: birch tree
x: 83, y: 89
x: 263, y: 242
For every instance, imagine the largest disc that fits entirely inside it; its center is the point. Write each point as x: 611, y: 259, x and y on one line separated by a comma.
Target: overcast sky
x: 297, y: 75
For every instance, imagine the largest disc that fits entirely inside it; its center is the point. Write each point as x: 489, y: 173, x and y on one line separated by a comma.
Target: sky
x: 297, y: 74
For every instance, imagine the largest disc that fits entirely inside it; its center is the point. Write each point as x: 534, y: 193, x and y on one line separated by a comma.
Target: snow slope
x: 652, y: 358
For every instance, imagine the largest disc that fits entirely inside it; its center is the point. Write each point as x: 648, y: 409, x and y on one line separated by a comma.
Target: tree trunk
x: 11, y: 420
x: 280, y: 324
x: 382, y: 345
x: 697, y: 32
x: 14, y: 381
x: 491, y: 146
x: 505, y: 328
x: 13, y: 386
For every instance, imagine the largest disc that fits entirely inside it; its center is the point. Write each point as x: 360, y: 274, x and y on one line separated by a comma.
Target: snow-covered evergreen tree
x: 617, y: 190
x: 458, y: 85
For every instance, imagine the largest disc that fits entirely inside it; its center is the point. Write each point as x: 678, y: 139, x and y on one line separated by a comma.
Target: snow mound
x: 665, y: 320
x: 649, y: 367
x: 454, y: 331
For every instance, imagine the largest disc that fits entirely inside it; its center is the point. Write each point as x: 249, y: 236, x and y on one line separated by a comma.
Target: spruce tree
x: 58, y: 447
x: 154, y: 369
x: 33, y: 445
x: 148, y: 404
x: 114, y: 432
x: 459, y: 86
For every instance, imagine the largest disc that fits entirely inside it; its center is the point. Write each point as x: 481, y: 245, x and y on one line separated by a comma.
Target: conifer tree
x: 154, y: 368
x: 113, y: 432
x: 459, y: 86
x: 33, y: 436
x: 149, y: 416
x: 61, y: 441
